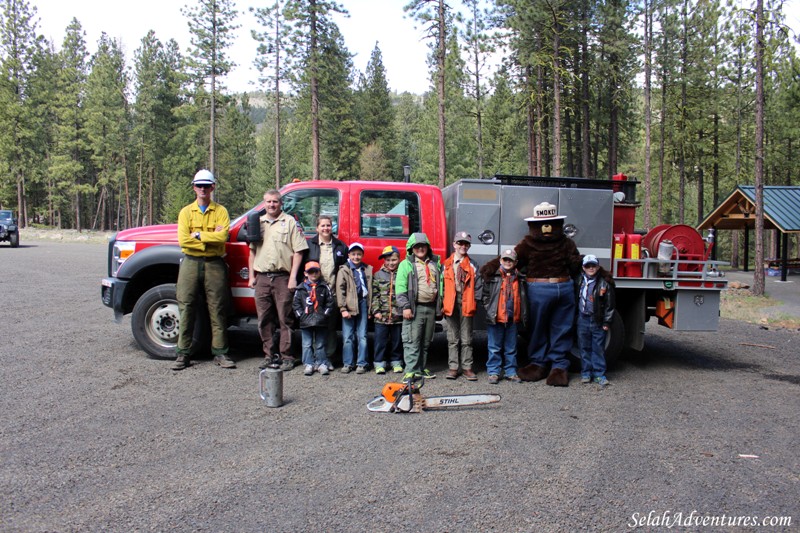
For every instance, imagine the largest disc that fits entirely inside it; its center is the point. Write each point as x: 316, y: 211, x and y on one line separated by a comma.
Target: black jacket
x: 603, y: 294
x: 306, y: 314
x: 339, y: 253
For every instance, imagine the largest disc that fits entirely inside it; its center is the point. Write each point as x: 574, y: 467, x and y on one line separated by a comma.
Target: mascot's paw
x: 558, y: 378
x: 532, y: 372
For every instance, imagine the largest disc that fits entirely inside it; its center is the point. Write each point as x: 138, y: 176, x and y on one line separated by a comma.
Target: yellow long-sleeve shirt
x: 211, y: 243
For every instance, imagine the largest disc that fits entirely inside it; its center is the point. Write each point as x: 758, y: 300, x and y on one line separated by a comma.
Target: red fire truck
x: 664, y: 274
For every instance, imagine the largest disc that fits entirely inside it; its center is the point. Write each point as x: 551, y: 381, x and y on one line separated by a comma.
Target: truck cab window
x: 393, y: 214
x: 307, y: 204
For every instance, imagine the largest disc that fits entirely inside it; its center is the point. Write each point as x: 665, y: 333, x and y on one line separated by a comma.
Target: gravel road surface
x: 96, y: 436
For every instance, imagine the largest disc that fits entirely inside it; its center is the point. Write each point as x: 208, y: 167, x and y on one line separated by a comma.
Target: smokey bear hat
x: 543, y: 212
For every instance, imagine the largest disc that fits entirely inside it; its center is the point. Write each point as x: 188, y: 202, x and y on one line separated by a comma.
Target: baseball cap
x: 312, y: 265
x: 462, y: 236
x: 354, y: 246
x: 389, y: 250
x: 590, y: 259
x: 509, y: 254
x: 204, y: 177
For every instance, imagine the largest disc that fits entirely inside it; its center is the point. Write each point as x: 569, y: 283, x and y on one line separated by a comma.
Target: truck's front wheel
x: 155, y: 322
x: 14, y: 239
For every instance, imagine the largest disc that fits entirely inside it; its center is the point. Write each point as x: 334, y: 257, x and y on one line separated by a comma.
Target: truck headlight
x: 122, y: 251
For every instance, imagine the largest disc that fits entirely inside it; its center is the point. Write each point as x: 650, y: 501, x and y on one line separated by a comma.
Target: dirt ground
x: 96, y: 436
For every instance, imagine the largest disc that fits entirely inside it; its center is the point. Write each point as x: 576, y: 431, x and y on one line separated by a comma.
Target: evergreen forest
x: 672, y: 93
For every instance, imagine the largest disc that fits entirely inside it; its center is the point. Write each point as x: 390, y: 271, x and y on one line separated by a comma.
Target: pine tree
x: 376, y: 120
x: 211, y: 23
x: 68, y: 163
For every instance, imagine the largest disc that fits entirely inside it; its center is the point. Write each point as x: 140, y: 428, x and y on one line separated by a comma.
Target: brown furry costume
x: 545, y: 253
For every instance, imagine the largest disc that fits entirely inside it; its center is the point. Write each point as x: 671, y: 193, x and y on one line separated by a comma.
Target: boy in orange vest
x: 504, y: 298
x: 460, y: 287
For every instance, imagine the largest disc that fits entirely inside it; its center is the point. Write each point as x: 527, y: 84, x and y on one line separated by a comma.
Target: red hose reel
x: 687, y: 242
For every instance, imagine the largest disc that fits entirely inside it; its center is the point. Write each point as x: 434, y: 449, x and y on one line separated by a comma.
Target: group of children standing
x: 405, y: 298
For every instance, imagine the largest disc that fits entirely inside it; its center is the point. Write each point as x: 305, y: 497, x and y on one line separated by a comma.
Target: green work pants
x: 459, y: 335
x: 417, y: 336
x: 211, y: 276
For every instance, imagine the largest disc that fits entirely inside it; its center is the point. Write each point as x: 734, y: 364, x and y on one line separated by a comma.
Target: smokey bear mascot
x: 551, y: 261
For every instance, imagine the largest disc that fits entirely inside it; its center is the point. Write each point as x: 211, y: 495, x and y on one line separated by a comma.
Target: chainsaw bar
x: 381, y: 405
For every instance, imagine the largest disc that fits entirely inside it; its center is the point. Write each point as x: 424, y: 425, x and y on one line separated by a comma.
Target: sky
x: 371, y: 21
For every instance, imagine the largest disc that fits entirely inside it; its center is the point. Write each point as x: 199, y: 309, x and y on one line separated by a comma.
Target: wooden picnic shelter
x: 781, y: 213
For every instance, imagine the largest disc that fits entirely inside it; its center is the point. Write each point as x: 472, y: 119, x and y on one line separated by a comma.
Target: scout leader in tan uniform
x: 274, y: 263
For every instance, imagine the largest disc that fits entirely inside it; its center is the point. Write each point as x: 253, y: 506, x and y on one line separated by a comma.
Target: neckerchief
x: 508, y: 290
x: 587, y: 296
x: 311, y: 287
x: 358, y: 276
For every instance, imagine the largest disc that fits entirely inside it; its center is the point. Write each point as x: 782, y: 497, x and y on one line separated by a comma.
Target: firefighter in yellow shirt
x: 202, y: 233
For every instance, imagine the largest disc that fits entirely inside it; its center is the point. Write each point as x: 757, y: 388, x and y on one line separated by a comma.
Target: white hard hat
x: 204, y: 177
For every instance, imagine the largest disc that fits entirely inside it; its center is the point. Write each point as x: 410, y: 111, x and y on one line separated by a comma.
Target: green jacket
x: 407, y: 276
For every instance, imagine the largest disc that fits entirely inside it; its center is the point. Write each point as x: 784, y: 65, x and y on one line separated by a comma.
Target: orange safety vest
x: 468, y: 305
x: 502, y: 314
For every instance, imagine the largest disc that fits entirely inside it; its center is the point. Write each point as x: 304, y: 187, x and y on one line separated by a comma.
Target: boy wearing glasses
x: 202, y: 232
x: 459, y: 304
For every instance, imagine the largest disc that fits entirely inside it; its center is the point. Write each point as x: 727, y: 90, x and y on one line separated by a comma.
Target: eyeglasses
x: 463, y: 243
x: 203, y: 185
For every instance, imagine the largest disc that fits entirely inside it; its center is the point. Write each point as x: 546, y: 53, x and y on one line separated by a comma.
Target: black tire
x: 14, y: 239
x: 155, y: 322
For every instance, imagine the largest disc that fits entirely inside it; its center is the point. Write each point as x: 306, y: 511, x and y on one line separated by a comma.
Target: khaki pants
x: 211, y: 276
x: 459, y: 332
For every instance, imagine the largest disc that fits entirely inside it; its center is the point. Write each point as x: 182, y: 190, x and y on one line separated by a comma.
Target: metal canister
x: 270, y: 386
x: 665, y: 251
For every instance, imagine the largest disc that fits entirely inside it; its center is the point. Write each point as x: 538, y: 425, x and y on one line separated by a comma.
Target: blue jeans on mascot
x: 552, y: 311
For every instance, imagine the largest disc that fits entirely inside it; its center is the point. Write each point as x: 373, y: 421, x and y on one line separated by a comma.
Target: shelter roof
x: 738, y: 211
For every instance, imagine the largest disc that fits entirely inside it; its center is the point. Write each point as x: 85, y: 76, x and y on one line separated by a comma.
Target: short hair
x: 324, y: 217
x: 274, y: 192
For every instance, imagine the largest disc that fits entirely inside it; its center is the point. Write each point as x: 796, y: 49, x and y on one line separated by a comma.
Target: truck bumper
x: 111, y: 293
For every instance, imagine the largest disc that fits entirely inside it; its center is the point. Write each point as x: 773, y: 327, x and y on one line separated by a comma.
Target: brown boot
x: 469, y: 374
x: 452, y: 374
x: 181, y: 362
x: 558, y: 378
x: 532, y: 372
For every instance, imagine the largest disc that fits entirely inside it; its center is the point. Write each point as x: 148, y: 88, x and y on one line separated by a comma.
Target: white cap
x: 590, y: 259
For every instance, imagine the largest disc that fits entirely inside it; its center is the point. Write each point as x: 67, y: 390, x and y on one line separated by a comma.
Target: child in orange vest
x: 460, y: 283
x: 505, y: 301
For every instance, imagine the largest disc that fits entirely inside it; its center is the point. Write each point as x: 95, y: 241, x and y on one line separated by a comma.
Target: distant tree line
x: 662, y: 91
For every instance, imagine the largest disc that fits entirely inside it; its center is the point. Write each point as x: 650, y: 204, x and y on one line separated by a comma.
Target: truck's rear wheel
x: 615, y: 342
x: 155, y: 322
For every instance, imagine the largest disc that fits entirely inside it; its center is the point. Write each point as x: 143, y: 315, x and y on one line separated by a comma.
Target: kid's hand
x: 345, y: 314
x: 605, y: 328
x: 378, y: 316
x: 408, y: 314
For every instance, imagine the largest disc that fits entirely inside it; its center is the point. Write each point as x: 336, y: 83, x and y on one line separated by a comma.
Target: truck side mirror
x: 253, y: 226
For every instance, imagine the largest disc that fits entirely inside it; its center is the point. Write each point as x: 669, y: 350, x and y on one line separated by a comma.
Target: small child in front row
x: 353, y: 295
x: 595, y: 311
x: 505, y: 301
x: 313, y: 304
x: 388, y: 320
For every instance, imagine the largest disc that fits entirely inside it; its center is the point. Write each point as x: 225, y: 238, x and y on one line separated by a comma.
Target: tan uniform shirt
x: 281, y: 239
x: 427, y: 289
x: 326, y: 263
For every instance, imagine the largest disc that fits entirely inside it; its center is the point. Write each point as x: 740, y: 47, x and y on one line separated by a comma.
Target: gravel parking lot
x: 96, y: 436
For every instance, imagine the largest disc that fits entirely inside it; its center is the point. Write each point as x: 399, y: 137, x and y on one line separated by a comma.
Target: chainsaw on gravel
x: 406, y: 398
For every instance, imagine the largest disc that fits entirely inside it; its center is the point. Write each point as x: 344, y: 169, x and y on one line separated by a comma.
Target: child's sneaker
x: 323, y: 369
x: 494, y: 379
x: 346, y: 369
x: 408, y: 376
x: 380, y: 370
x: 309, y: 369
x: 602, y: 381
x: 427, y: 374
x: 397, y: 369
x: 514, y: 379
x: 586, y: 379
x: 361, y: 369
